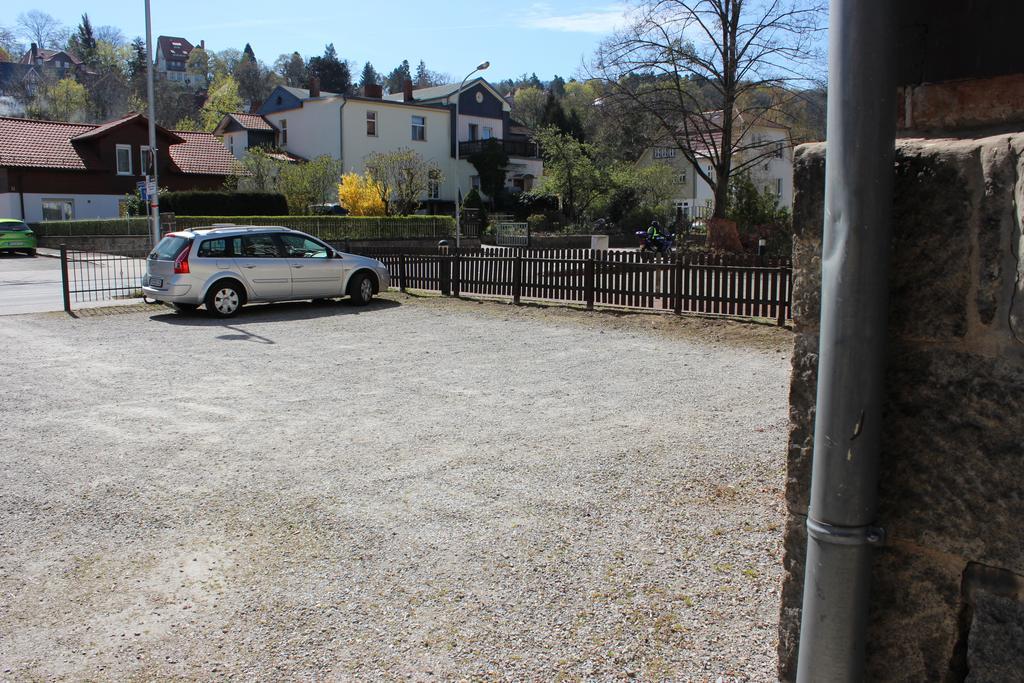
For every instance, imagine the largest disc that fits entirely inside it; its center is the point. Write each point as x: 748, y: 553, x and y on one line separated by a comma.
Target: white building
x: 767, y: 146
x: 311, y: 123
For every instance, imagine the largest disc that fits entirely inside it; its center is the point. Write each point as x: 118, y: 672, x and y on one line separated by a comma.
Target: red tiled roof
x: 105, y: 128
x: 173, y: 47
x: 40, y: 144
x: 46, y: 55
x: 29, y: 143
x: 202, y: 154
x: 251, y: 121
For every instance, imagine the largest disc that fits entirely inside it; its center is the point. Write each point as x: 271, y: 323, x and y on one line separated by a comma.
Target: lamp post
x: 458, y: 180
x: 152, y: 182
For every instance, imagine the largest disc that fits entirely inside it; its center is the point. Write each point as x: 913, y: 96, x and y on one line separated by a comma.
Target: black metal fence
x: 89, y: 276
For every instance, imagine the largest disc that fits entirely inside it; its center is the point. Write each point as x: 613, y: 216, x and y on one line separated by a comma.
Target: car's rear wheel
x: 224, y: 299
x: 360, y: 289
x: 185, y: 308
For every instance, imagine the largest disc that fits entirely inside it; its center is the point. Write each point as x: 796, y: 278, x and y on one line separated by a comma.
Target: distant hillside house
x: 767, y: 142
x: 171, y: 64
x: 65, y: 171
x: 22, y: 78
x: 57, y: 59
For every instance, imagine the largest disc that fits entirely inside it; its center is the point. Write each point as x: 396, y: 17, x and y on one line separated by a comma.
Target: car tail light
x: 181, y: 263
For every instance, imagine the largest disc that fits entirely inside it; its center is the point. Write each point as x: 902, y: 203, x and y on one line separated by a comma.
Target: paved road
x: 32, y: 285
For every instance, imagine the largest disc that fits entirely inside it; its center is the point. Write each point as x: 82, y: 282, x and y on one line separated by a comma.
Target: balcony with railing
x: 514, y: 148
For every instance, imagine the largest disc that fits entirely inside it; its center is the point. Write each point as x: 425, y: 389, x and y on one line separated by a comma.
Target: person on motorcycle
x: 654, y: 234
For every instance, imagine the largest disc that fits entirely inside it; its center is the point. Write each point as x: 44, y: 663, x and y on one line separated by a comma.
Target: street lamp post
x: 152, y: 182
x: 458, y: 180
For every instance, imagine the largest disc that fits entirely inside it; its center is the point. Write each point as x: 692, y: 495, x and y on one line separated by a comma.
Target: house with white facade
x: 484, y: 114
x: 171, y: 64
x: 310, y: 123
x: 765, y: 144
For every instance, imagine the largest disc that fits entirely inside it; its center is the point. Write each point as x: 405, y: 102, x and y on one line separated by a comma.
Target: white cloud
x: 599, y: 20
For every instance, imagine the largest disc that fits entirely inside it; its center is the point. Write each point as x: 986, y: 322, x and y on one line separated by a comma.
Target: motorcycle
x: 662, y: 244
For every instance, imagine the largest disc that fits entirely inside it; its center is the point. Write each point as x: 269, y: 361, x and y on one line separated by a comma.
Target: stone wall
x: 947, y: 589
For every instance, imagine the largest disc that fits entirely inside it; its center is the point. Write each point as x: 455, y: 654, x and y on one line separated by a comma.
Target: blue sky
x: 451, y: 36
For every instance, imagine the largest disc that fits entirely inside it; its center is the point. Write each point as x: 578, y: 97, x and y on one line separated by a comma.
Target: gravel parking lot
x: 425, y: 488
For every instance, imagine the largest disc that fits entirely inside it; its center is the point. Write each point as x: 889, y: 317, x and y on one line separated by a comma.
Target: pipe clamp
x: 845, y: 535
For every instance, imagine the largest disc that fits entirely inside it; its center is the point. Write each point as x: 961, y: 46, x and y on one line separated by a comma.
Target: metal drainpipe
x: 854, y: 301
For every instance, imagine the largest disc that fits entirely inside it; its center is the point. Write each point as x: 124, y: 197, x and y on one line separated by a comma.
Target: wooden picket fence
x: 747, y: 286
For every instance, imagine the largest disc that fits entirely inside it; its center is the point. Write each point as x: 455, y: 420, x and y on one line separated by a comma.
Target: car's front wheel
x: 224, y: 299
x: 360, y: 289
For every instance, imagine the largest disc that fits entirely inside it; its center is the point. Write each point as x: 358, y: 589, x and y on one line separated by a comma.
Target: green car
x: 15, y: 235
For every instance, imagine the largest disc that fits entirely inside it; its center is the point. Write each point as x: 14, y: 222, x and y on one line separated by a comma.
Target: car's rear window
x: 169, y: 248
x: 13, y: 226
x: 214, y: 248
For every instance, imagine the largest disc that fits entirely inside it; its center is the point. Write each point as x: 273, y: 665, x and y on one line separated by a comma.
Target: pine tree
x: 397, y: 78
x: 369, y: 77
x: 83, y: 42
x: 332, y: 72
x: 422, y: 79
x: 248, y: 54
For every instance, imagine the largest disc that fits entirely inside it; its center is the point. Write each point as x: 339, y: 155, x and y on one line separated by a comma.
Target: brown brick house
x: 51, y: 170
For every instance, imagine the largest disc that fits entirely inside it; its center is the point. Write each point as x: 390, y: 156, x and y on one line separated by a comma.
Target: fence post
x: 65, y: 285
x: 783, y: 298
x: 445, y: 274
x: 677, y: 296
x: 517, y: 277
x: 401, y: 273
x: 589, y: 277
x: 456, y: 273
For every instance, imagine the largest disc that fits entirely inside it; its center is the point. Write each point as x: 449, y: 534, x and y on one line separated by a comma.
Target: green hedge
x: 341, y: 227
x: 334, y: 228
x: 112, y: 226
x: 205, y: 203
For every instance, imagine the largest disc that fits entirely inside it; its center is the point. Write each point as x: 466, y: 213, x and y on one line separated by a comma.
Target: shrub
x: 207, y: 203
x: 360, y: 195
x: 340, y: 228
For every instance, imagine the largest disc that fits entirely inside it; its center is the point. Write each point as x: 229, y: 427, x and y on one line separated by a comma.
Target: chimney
x: 35, y: 52
x: 373, y: 90
x: 407, y: 90
x: 314, y: 87
x: 202, y: 44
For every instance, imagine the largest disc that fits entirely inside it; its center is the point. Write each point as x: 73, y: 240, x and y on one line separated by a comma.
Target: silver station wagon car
x: 227, y: 267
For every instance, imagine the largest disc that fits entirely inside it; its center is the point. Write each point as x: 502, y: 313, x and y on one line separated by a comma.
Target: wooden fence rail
x: 746, y: 286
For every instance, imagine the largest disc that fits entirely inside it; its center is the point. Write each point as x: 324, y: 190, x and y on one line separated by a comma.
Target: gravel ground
x: 426, y: 489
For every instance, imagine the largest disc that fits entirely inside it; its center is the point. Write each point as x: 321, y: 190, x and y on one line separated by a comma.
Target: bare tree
x: 41, y: 28
x: 705, y: 72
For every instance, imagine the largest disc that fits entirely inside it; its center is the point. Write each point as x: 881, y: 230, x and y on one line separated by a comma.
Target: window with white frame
x: 371, y: 124
x: 488, y: 133
x: 145, y: 162
x: 284, y: 132
x: 473, y: 132
x: 124, y: 159
x: 434, y: 184
x: 682, y: 176
x: 664, y: 153
x: 419, y: 128
x: 778, y: 149
x: 231, y: 143
x: 58, y: 209
x: 778, y: 188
